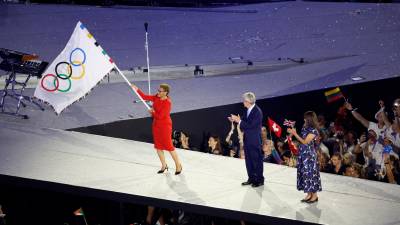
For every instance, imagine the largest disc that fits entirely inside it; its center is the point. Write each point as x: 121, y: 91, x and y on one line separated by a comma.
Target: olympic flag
x: 75, y: 72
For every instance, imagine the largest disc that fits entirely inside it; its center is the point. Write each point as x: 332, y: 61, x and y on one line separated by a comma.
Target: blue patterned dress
x: 308, y: 178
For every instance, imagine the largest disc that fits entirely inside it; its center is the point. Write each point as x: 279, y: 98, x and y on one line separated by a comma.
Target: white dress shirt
x: 249, y: 109
x: 248, y: 112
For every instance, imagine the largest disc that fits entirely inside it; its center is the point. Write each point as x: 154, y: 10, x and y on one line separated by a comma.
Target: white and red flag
x: 273, y: 126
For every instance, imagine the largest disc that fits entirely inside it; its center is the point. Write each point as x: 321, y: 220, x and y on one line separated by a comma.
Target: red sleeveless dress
x: 162, y: 123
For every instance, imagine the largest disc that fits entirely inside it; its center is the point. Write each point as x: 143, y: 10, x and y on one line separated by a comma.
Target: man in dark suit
x: 250, y: 123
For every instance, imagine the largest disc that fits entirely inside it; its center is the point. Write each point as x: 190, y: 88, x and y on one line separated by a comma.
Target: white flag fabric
x: 76, y: 70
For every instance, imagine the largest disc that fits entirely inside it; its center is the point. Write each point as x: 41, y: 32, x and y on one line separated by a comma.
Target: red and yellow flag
x: 333, y: 95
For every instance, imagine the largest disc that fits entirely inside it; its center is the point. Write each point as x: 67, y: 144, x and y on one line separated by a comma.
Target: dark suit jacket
x: 251, y: 126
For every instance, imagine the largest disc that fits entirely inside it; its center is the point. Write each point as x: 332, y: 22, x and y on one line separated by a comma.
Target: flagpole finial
x: 79, y: 212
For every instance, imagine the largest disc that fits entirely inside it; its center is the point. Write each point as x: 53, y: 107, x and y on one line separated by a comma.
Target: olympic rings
x: 82, y: 73
x: 67, y: 76
x: 69, y: 86
x: 56, y: 83
x: 72, y: 61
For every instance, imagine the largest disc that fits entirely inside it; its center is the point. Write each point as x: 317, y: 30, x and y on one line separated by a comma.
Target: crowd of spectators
x: 343, y: 148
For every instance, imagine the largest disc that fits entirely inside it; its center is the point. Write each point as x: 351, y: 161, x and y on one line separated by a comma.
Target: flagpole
x: 146, y: 46
x: 79, y: 212
x: 273, y: 145
x: 84, y: 218
x: 130, y: 85
x: 269, y: 129
x: 270, y: 134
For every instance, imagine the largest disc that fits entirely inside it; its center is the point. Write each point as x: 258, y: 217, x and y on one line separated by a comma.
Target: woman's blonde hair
x: 311, y: 119
x: 165, y: 87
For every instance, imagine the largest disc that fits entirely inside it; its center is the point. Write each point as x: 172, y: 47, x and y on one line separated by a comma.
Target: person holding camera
x: 162, y: 125
x: 373, y: 155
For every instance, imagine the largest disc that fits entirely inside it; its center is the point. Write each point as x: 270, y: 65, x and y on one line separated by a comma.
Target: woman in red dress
x: 162, y: 125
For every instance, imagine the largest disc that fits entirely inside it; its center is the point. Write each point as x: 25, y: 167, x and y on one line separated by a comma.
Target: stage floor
x: 209, y: 184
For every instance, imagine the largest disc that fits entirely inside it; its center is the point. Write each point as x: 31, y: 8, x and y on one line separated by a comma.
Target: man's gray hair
x: 250, y: 97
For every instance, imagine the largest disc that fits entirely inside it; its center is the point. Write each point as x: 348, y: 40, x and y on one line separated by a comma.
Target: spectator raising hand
x: 229, y: 136
x: 379, y: 128
x: 383, y: 114
x: 356, y: 115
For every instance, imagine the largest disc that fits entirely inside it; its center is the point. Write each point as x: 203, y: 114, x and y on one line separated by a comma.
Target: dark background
x: 202, y: 122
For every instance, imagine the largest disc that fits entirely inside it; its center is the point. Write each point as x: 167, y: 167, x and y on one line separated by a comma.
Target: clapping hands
x: 234, y: 118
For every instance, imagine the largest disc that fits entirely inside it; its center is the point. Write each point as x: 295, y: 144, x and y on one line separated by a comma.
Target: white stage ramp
x: 126, y: 170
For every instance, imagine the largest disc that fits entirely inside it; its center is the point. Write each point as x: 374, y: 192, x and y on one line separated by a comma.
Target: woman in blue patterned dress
x: 308, y: 178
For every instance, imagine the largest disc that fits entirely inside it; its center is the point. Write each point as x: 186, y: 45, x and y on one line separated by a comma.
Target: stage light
x: 235, y: 59
x: 357, y: 78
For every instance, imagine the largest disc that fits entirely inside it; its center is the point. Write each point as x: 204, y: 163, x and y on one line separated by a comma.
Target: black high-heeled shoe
x: 310, y: 202
x: 178, y: 172
x: 162, y: 170
x: 305, y: 199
